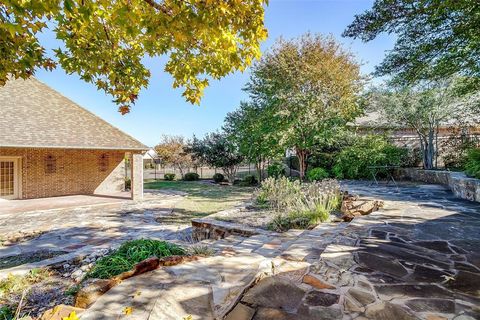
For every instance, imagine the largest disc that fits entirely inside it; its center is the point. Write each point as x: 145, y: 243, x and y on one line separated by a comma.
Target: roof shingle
x: 34, y: 115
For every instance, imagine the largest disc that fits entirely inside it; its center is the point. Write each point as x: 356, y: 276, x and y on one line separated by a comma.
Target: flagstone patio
x: 95, y: 223
x: 417, y: 258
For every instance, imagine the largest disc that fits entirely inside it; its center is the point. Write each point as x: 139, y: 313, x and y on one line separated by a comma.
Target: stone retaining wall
x: 213, y: 229
x: 462, y: 186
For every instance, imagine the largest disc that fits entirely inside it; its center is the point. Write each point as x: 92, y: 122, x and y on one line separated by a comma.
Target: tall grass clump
x: 129, y: 254
x: 297, y: 205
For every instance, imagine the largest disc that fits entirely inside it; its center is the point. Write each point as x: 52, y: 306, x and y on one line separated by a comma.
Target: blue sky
x: 162, y: 110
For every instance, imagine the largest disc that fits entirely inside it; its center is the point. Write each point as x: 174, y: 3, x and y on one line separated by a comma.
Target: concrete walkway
x: 417, y: 258
x: 8, y: 207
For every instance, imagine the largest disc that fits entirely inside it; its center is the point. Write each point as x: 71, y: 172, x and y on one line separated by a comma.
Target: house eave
x: 74, y: 147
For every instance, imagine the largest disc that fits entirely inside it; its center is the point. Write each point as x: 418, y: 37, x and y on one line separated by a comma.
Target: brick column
x: 137, y: 176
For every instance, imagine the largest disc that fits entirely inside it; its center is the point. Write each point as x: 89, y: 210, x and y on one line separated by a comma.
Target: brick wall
x: 57, y: 172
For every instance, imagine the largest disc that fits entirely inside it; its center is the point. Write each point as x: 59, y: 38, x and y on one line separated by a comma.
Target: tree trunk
x: 258, y: 167
x: 230, y: 172
x: 430, y: 149
x: 302, y: 155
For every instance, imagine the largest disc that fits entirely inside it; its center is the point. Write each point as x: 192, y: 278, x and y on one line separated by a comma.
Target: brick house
x: 50, y: 146
x: 373, y: 123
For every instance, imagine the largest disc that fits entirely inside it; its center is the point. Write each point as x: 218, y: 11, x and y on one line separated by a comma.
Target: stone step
x: 205, y: 289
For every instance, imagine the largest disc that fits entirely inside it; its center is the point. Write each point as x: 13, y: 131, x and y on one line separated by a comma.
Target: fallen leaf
x: 127, y: 310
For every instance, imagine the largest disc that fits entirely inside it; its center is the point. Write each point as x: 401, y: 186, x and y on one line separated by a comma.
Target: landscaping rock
x: 92, y: 291
x: 315, y: 282
x: 174, y: 260
x: 60, y: 312
x: 352, y: 208
x: 141, y: 267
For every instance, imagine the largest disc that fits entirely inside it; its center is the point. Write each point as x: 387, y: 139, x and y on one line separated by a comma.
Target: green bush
x: 6, y: 313
x: 317, y: 174
x: 169, y: 176
x: 353, y: 162
x: 472, y: 165
x: 412, y: 157
x: 276, y: 170
x: 128, y: 183
x: 250, y: 180
x: 129, y: 254
x: 191, y: 176
x: 218, y: 177
x: 297, y: 220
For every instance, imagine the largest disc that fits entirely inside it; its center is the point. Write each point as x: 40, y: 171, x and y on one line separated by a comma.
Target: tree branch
x: 157, y: 6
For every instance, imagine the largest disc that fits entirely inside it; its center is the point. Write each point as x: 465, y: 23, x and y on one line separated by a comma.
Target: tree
x: 217, y: 150
x: 308, y: 86
x: 425, y: 107
x: 251, y: 129
x: 104, y: 41
x: 436, y: 39
x: 172, y: 150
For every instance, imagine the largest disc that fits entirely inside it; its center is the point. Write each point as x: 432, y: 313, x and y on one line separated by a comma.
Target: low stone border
x: 207, y: 228
x: 95, y: 288
x: 462, y: 186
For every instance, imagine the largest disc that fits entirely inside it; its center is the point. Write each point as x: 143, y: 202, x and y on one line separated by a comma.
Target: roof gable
x: 34, y: 115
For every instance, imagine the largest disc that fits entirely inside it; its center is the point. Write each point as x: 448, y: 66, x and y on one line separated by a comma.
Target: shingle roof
x: 34, y: 115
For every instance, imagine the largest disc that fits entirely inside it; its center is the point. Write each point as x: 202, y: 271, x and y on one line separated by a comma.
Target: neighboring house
x: 405, y: 136
x: 50, y: 146
x: 150, y: 158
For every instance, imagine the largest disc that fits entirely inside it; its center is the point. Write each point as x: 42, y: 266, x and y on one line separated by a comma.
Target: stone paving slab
x: 204, y: 289
x: 83, y: 230
x: 416, y: 258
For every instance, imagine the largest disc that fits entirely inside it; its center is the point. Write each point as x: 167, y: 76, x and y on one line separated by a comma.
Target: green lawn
x: 203, y: 198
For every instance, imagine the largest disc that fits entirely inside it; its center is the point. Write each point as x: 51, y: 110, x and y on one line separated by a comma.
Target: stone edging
x: 462, y: 186
x: 207, y: 228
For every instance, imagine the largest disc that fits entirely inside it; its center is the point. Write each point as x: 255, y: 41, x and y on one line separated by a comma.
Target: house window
x: 50, y: 164
x: 103, y: 162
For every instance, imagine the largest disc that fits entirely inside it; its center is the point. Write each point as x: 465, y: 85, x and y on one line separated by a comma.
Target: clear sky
x: 162, y: 110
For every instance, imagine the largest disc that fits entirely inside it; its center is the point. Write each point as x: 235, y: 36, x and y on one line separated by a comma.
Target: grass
x: 14, y: 286
x: 202, y: 198
x: 129, y: 254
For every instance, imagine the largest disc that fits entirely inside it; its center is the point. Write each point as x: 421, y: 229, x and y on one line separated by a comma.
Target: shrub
x: 472, y: 165
x: 6, y: 313
x: 129, y: 254
x: 278, y: 193
x: 169, y: 176
x: 412, y: 157
x: 201, y: 250
x: 128, y: 185
x: 276, y: 170
x: 317, y: 174
x: 353, y: 162
x: 218, y: 177
x: 250, y: 180
x: 191, y: 176
x: 299, y: 205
